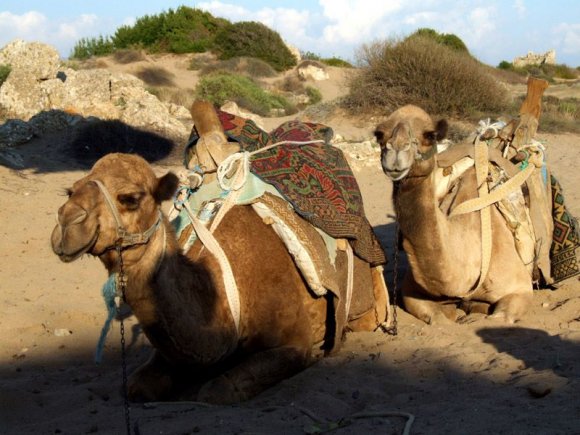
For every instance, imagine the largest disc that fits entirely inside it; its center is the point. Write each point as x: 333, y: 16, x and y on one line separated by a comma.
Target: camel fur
x: 444, y: 253
x: 179, y: 299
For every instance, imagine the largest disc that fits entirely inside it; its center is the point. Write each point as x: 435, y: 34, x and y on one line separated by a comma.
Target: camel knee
x: 150, y: 382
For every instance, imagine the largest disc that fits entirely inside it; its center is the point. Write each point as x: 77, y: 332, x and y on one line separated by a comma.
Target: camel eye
x: 130, y: 200
x: 68, y: 192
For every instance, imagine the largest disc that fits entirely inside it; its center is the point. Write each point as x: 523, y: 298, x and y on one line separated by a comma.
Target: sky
x: 493, y: 30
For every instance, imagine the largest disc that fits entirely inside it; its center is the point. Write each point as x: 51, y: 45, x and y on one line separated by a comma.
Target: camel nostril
x: 72, y: 217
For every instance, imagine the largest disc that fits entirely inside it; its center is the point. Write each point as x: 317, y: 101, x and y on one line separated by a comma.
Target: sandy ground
x: 475, y: 377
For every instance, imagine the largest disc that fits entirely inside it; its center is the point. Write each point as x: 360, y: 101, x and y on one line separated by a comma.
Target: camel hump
x: 205, y: 118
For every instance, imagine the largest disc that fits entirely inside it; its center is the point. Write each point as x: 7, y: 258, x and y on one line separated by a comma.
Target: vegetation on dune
x: 190, y: 30
x: 221, y: 86
x: 4, y: 72
x: 544, y: 71
x: 330, y: 61
x: 447, y: 39
x: 421, y: 71
x: 248, y: 66
x: 252, y: 39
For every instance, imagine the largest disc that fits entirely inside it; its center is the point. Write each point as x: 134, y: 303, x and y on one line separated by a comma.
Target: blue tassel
x: 109, y: 292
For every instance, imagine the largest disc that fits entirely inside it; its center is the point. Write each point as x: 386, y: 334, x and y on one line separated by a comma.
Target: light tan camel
x: 180, y: 300
x: 445, y: 253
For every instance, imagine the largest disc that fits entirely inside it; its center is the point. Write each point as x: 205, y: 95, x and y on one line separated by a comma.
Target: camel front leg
x: 422, y: 307
x: 255, y: 374
x: 512, y: 307
x: 152, y: 381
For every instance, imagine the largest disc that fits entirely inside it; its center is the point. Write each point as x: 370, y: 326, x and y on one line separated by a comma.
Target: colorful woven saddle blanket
x: 566, y: 237
x: 315, y: 178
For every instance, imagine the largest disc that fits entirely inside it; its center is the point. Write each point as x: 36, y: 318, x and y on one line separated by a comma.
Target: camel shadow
x: 78, y: 144
x: 535, y: 347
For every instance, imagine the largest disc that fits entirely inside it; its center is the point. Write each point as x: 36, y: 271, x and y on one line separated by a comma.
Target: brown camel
x: 445, y: 253
x: 180, y: 299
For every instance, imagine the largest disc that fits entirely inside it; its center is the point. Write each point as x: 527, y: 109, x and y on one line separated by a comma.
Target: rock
x: 312, y: 70
x: 62, y: 332
x: 295, y: 52
x: 40, y: 61
x: 233, y: 108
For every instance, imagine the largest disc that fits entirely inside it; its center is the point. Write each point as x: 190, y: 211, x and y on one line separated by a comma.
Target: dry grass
x: 181, y: 97
x: 248, y: 66
x: 156, y: 76
x: 422, y: 72
x: 127, y: 56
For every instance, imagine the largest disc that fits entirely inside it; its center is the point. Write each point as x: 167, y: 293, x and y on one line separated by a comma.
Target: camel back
x: 315, y: 178
x: 512, y: 148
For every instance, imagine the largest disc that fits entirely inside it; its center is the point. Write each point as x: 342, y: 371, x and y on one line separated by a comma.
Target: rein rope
x: 114, y: 290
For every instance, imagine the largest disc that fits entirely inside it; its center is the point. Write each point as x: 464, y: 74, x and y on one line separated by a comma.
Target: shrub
x: 125, y: 56
x: 4, y: 73
x: 181, y: 97
x: 88, y: 47
x: 314, y: 95
x: 423, y: 72
x: 337, y: 61
x: 505, y: 65
x: 330, y: 61
x: 252, y: 39
x: 155, y: 76
x: 248, y: 66
x: 447, y: 39
x: 222, y: 86
x: 183, y: 30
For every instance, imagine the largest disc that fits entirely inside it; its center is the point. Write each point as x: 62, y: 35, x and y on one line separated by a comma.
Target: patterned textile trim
x: 566, y: 237
x: 316, y: 179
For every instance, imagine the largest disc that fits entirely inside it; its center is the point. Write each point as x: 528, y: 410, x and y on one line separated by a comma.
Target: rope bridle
x: 124, y: 240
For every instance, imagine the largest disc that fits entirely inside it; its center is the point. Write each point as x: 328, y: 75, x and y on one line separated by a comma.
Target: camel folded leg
x: 255, y: 374
x: 512, y: 307
x: 152, y: 381
x: 423, y: 307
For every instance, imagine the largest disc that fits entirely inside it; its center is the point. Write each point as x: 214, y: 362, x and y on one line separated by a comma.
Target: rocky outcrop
x: 311, y: 70
x: 37, y: 83
x: 548, y: 57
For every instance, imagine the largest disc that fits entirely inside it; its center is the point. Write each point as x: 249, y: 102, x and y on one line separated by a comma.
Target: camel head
x: 88, y: 223
x: 408, y: 141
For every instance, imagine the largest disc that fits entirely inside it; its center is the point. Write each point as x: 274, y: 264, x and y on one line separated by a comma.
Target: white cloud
x: 34, y: 26
x: 74, y: 29
x: 520, y: 8
x: 354, y: 21
x: 569, y: 37
x: 29, y: 23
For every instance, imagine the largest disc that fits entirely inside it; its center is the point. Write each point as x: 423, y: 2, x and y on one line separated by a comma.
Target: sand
x: 479, y: 376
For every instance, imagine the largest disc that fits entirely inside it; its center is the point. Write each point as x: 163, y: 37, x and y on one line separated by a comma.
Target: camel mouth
x: 68, y: 258
x: 396, y: 175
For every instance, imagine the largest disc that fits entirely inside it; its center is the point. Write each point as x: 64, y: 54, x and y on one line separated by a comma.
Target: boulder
x: 311, y: 70
x: 40, y: 61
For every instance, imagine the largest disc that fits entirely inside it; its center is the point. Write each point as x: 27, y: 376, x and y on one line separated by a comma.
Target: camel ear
x: 441, y: 129
x: 166, y: 187
x: 438, y: 134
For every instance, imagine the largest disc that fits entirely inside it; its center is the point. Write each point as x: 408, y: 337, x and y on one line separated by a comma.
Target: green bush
x: 183, y: 30
x: 505, y: 65
x: 252, y: 39
x: 330, y: 61
x: 423, y: 72
x: 222, y: 86
x: 88, y: 47
x: 314, y: 95
x: 447, y: 39
x: 4, y: 73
